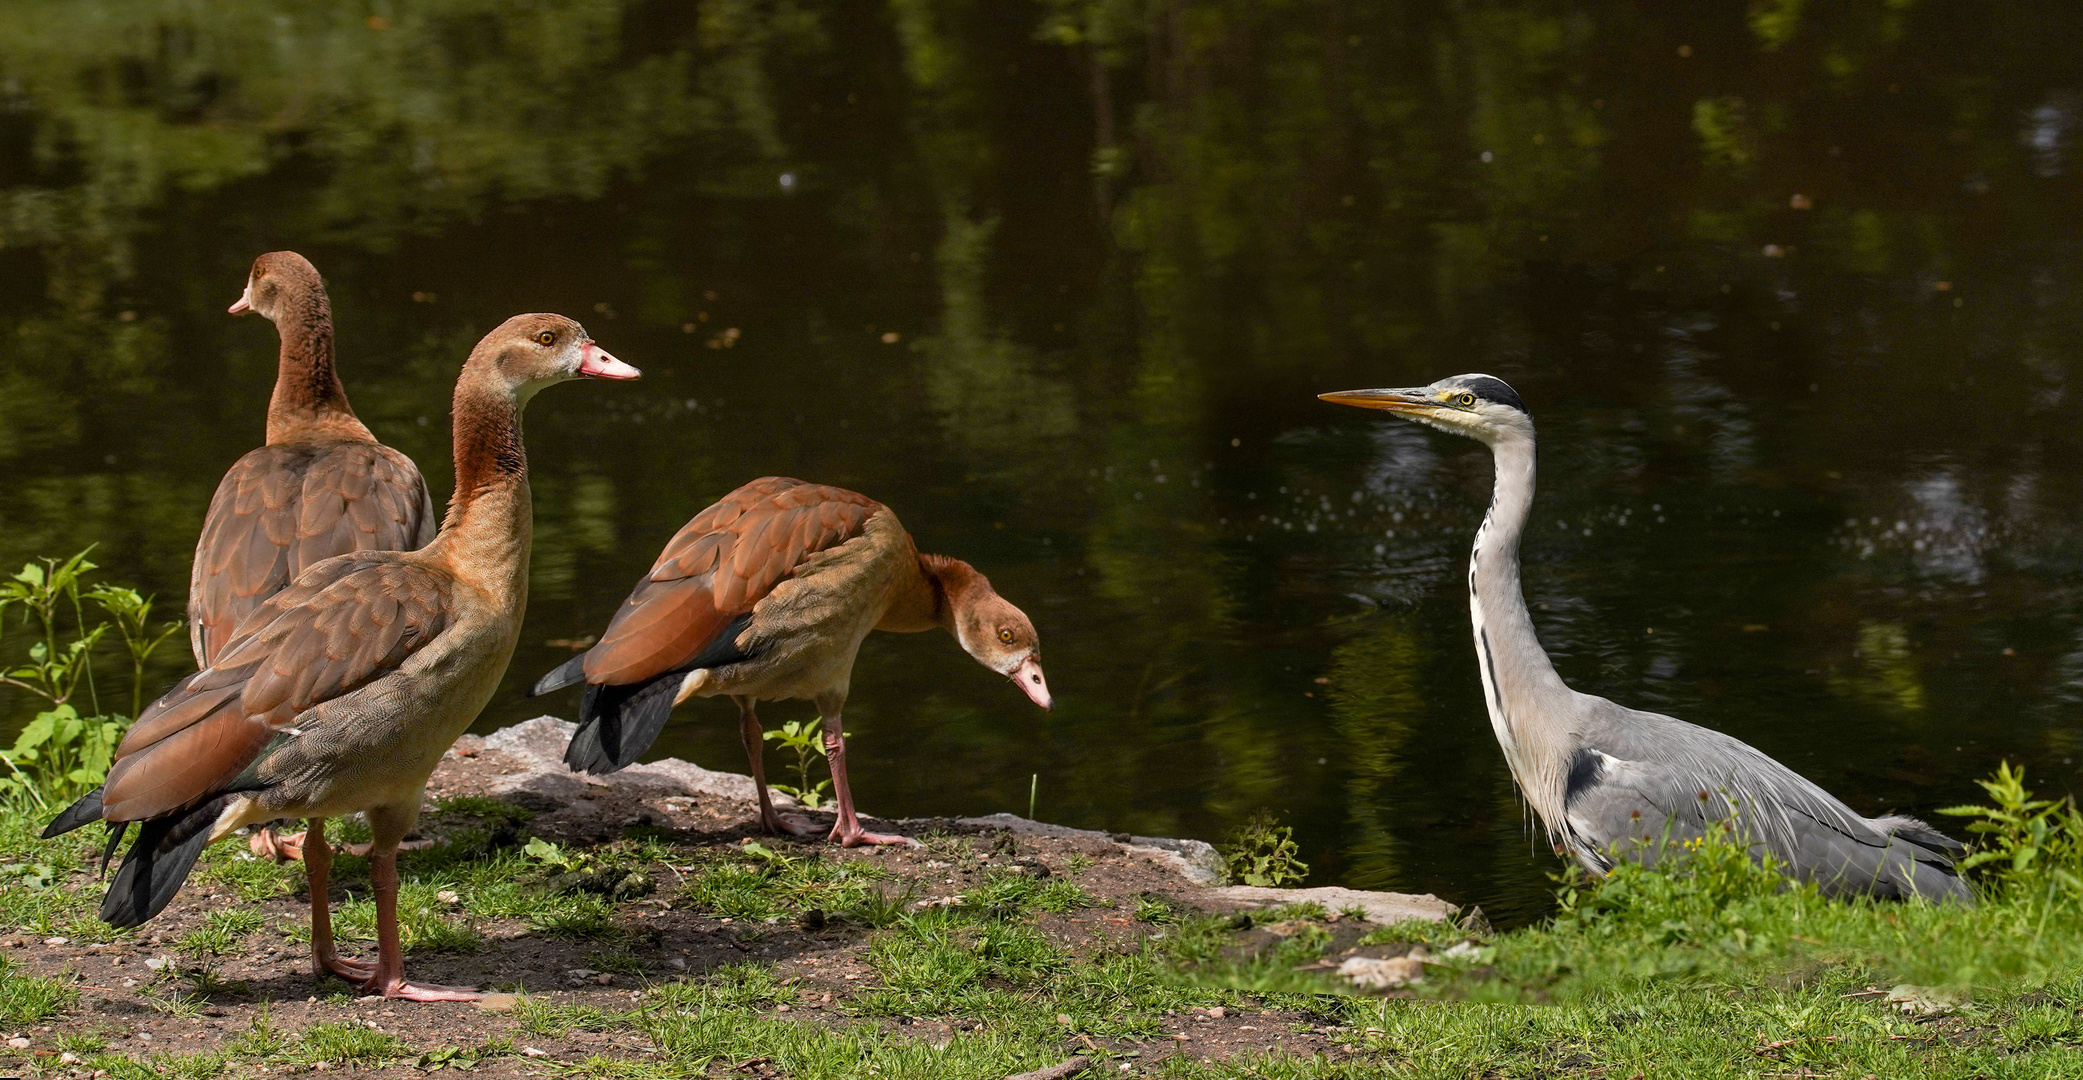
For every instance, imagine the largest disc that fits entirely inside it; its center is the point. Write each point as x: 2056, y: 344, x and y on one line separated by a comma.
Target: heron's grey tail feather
x: 1921, y: 834
x: 1899, y: 859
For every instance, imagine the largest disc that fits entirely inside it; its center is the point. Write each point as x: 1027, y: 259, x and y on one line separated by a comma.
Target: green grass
x: 348, y: 1044
x: 1706, y: 967
x: 26, y: 999
x: 424, y: 920
x: 754, y: 883
x: 222, y: 929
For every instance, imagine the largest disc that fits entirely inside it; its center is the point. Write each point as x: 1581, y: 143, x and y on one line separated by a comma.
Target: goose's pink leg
x: 847, y: 830
x: 318, y: 862
x: 266, y: 843
x: 389, y: 976
x: 755, y: 751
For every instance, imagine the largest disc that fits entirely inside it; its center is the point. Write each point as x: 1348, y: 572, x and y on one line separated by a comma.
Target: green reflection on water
x: 1791, y: 287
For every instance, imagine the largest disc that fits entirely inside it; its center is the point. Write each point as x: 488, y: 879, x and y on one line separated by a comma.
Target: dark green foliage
x: 1262, y: 852
x: 2029, y: 849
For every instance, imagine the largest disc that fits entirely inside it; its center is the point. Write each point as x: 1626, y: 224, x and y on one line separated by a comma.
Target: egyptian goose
x: 321, y: 486
x: 767, y: 595
x: 341, y: 692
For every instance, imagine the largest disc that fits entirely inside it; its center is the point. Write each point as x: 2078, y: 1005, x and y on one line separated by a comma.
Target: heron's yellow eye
x: 1467, y: 401
x: 546, y: 337
x: 1005, y: 634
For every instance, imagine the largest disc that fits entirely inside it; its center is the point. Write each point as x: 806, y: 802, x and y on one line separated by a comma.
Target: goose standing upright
x: 341, y: 692
x: 1608, y: 781
x: 320, y: 486
x: 767, y: 595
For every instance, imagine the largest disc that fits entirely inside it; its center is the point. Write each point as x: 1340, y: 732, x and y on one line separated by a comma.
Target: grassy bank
x: 982, y: 955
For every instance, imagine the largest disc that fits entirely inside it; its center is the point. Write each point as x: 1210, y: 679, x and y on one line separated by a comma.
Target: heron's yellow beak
x: 1413, y: 399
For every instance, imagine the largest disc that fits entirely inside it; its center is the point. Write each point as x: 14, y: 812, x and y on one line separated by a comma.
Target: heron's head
x: 1478, y: 406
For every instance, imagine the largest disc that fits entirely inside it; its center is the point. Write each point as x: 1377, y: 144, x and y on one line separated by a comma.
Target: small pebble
x: 529, y: 1051
x: 18, y: 1043
x: 55, y: 940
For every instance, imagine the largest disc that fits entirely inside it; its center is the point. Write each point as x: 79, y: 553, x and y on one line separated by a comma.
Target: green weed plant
x: 1262, y: 852
x: 63, y: 753
x: 2029, y: 849
x: 804, y: 738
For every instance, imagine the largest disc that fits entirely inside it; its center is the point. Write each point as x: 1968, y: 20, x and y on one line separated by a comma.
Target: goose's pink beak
x: 1028, y: 677
x: 598, y: 363
x: 242, y: 305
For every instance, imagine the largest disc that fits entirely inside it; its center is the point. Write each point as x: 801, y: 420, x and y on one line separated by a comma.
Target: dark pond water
x: 1792, y: 290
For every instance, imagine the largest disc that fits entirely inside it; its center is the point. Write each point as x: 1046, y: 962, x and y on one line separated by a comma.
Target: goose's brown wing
x: 344, y: 624
x: 717, y: 567
x: 281, y: 510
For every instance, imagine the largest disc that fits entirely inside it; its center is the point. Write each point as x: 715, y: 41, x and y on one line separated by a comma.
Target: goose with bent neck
x: 1611, y: 782
x: 767, y: 595
x: 341, y: 693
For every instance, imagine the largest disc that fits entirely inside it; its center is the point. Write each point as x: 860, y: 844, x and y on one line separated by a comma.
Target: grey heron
x: 1611, y: 782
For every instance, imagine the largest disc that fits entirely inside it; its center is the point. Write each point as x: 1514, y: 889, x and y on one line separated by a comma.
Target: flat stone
x: 537, y: 747
x: 1195, y: 860
x: 1384, y: 974
x: 1382, y: 908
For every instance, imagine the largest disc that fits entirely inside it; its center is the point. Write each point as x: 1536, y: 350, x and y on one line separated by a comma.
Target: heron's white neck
x: 1528, y: 701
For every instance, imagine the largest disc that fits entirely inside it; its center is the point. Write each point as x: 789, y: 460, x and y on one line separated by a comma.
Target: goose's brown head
x: 997, y: 634
x: 528, y: 352
x: 279, y: 278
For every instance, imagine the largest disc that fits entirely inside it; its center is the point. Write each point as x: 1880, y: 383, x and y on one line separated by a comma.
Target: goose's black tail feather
x: 165, y: 851
x: 618, y: 723
x: 116, y: 832
x: 565, y: 674
x: 78, y: 814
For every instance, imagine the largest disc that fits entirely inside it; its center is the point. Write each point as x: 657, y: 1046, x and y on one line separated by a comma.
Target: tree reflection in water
x: 1791, y: 289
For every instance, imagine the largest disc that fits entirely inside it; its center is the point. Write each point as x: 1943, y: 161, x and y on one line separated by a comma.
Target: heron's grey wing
x: 1637, y: 775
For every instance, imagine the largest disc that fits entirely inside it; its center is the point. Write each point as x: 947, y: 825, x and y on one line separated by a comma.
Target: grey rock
x: 1195, y: 860
x: 538, y: 746
x: 533, y: 754
x: 1380, y: 907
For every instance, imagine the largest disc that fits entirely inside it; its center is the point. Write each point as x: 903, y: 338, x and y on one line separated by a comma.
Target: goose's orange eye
x: 1005, y: 634
x: 546, y: 337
